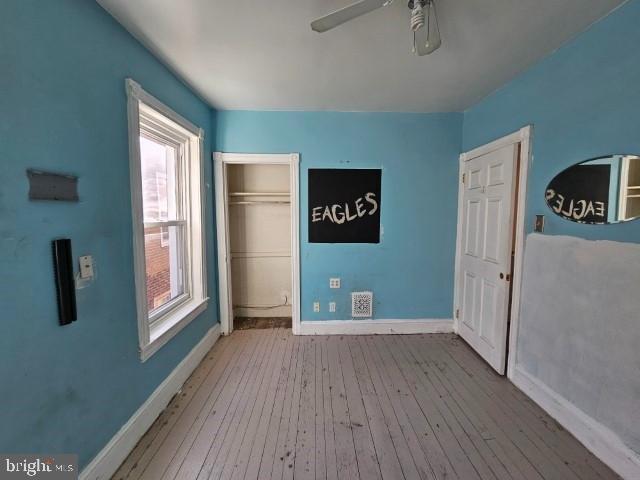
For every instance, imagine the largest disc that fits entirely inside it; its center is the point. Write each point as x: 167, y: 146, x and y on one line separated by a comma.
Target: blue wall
x: 583, y: 101
x: 411, y: 271
x: 63, y: 108
x: 578, y: 328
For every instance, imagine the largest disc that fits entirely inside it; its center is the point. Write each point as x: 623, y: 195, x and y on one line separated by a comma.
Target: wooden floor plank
x: 255, y: 434
x: 478, y: 413
x: 190, y: 398
x: 368, y: 462
x: 459, y: 423
x: 474, y: 428
x: 283, y: 454
x: 385, y: 446
x: 264, y: 404
x: 265, y: 445
x: 197, y: 461
x: 208, y: 419
x: 395, y: 413
x: 464, y: 457
x: 346, y: 460
x: 519, y: 407
x: 170, y: 452
x: 544, y: 459
x: 239, y: 423
x: 305, y: 454
x: 329, y: 437
x: 291, y: 432
x: 320, y: 454
x: 425, y: 432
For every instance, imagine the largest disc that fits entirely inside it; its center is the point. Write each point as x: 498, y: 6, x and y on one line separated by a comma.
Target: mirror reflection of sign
x: 338, y: 213
x: 576, y: 209
x: 597, y: 191
x: 582, y: 193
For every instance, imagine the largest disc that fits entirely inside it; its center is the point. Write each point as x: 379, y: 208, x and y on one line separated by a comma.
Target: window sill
x: 167, y: 328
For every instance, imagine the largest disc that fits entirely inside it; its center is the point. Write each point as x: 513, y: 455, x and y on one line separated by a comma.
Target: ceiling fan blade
x: 345, y: 14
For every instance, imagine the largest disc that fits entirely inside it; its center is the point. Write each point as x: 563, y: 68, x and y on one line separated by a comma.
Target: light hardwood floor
x: 265, y: 404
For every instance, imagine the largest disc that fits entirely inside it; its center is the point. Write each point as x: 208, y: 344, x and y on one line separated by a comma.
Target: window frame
x: 151, y: 130
x: 146, y: 113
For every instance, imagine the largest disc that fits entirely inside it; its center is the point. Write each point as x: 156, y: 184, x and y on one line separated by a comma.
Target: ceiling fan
x: 422, y: 21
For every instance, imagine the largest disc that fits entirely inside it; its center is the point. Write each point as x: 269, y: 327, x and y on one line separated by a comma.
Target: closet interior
x: 259, y: 209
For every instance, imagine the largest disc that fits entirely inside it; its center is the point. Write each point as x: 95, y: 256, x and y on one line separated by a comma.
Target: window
x: 167, y: 210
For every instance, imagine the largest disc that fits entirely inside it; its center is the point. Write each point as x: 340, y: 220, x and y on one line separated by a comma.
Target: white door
x: 484, y: 270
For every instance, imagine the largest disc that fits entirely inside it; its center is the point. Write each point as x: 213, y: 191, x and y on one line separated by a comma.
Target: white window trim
x: 152, y: 338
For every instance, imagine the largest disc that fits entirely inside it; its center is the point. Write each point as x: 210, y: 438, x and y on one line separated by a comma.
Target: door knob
x: 501, y: 275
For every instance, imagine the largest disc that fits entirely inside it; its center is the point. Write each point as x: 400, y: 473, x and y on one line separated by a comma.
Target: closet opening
x: 257, y: 240
x: 260, y: 240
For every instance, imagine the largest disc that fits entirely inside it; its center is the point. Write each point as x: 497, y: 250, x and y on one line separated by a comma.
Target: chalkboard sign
x: 344, y: 205
x: 581, y: 193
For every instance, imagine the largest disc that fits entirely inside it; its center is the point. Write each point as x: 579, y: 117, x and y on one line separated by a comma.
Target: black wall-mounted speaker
x: 65, y: 284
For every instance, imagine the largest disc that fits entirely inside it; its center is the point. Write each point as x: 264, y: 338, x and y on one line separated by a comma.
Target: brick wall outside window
x: 157, y: 260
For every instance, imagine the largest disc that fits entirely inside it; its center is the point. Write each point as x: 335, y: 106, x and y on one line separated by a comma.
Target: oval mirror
x: 597, y: 191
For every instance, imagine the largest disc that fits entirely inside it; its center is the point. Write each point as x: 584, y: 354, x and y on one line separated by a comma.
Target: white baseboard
x: 600, y: 440
x: 376, y: 327
x: 105, y: 464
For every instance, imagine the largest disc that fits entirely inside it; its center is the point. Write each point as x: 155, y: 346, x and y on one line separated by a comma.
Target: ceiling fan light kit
x: 424, y: 24
x: 423, y: 21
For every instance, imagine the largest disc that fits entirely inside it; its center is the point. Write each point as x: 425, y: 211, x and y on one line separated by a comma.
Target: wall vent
x: 361, y: 304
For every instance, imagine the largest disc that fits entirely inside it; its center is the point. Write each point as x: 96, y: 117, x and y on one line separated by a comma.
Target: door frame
x: 523, y: 137
x: 221, y: 161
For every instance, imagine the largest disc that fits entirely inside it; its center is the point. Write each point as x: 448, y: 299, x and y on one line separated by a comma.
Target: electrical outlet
x: 334, y: 283
x: 86, y: 267
x: 316, y: 307
x: 332, y: 306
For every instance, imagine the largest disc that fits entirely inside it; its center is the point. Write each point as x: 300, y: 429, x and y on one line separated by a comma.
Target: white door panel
x: 469, y: 297
x: 485, y: 263
x: 492, y: 233
x: 473, y: 222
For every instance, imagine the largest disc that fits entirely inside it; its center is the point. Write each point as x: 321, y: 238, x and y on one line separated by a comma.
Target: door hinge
x: 457, y: 313
x: 464, y: 176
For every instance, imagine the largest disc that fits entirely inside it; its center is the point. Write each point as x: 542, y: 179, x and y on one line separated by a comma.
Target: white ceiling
x: 262, y: 54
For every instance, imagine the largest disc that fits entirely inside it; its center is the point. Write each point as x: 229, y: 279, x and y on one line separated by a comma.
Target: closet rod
x: 259, y: 194
x: 235, y: 256
x: 263, y: 202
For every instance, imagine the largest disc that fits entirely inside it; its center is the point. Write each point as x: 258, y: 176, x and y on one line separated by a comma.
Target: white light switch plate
x: 316, y: 307
x: 334, y: 283
x: 86, y: 266
x: 332, y: 306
